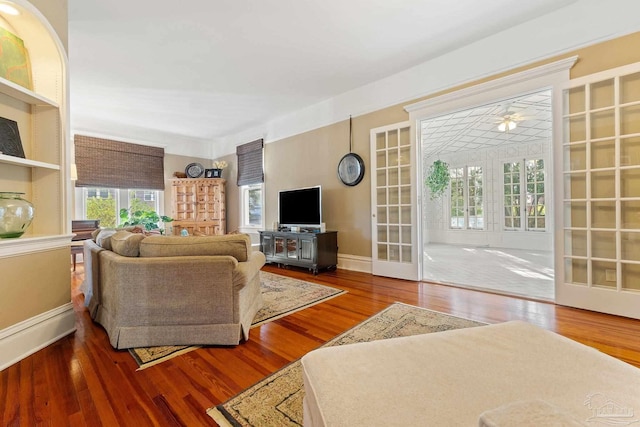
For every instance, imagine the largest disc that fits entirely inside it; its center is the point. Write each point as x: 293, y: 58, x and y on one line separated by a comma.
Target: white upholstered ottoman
x: 506, y: 374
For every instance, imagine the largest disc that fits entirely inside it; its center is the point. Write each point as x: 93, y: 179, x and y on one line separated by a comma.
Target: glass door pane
x: 601, y: 194
x: 392, y: 199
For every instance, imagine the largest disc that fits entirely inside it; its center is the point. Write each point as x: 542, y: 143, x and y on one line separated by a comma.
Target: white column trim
x: 27, y: 337
x: 29, y: 245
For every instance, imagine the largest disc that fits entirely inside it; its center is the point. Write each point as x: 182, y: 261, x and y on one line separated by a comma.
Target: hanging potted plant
x: 438, y: 179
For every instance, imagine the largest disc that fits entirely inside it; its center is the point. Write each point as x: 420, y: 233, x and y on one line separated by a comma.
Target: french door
x: 601, y: 198
x: 394, y: 231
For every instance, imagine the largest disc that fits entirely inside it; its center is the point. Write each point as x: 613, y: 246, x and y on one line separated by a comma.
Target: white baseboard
x: 354, y: 263
x: 25, y: 338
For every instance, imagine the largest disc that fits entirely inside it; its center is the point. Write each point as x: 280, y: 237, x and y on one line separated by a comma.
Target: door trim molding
x: 555, y: 76
x: 492, y: 85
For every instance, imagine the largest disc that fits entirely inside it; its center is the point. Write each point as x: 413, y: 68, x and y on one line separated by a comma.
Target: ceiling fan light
x: 506, y: 125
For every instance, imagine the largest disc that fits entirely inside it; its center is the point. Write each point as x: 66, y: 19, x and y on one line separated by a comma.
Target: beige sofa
x: 172, y: 290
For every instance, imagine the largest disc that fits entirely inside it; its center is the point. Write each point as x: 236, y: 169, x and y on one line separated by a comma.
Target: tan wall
x: 311, y: 158
x: 174, y: 163
x: 33, y: 284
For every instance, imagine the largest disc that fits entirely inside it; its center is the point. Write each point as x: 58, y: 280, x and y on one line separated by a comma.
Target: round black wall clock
x: 351, y: 169
x: 351, y: 166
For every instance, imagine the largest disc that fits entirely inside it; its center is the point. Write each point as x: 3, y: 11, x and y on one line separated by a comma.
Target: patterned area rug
x: 282, y: 296
x: 277, y: 400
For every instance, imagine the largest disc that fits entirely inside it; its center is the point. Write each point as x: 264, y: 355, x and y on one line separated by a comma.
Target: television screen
x: 300, y: 207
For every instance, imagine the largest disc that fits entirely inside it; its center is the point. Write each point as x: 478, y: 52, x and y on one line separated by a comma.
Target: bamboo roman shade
x: 114, y: 164
x: 250, y: 163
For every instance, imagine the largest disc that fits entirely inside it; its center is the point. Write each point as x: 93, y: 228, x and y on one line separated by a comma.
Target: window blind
x: 115, y: 164
x: 250, y: 163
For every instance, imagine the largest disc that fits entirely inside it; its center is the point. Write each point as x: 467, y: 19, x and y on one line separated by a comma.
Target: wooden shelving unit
x: 198, y: 205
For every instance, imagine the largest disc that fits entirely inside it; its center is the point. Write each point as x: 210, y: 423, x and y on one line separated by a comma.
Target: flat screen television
x: 301, y: 207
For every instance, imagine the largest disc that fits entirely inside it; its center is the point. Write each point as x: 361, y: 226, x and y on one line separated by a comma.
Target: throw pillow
x: 126, y: 243
x: 103, y: 238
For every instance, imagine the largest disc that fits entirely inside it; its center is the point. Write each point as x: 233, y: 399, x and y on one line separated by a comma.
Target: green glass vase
x: 16, y: 214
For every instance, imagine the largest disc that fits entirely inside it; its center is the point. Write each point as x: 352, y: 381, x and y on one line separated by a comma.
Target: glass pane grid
x: 474, y: 200
x: 611, y: 186
x: 511, y: 192
x: 393, y: 195
x: 456, y: 183
x: 535, y: 196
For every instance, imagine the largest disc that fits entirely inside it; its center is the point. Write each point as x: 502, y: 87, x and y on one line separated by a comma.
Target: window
x: 536, y: 208
x: 252, y: 206
x: 250, y: 183
x: 474, y: 198
x: 457, y: 197
x: 102, y: 204
x: 512, y: 196
x: 524, y: 185
x: 98, y: 193
x: 466, y: 198
x: 105, y: 203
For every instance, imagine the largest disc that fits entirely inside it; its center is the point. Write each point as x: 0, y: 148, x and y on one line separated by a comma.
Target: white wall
x: 436, y: 212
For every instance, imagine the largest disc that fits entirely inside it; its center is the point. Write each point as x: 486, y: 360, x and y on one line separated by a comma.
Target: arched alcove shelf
x: 42, y: 117
x: 36, y: 298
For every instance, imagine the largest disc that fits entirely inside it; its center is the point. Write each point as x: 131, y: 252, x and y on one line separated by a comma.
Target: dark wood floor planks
x: 82, y: 381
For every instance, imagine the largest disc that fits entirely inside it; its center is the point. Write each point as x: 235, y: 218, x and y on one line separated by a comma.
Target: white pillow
x: 103, y: 239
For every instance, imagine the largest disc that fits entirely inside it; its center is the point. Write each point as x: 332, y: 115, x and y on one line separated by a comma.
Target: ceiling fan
x: 508, y: 119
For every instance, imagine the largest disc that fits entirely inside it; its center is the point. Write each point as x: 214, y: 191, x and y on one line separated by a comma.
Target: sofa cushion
x: 237, y: 245
x: 126, y: 243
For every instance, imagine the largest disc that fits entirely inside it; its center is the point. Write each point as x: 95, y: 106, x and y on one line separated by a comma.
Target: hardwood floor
x: 82, y: 381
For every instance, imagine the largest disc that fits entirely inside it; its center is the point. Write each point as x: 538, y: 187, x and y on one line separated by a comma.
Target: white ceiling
x: 202, y: 70
x: 477, y: 128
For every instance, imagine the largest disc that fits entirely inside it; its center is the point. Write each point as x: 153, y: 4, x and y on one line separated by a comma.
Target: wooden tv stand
x: 315, y: 251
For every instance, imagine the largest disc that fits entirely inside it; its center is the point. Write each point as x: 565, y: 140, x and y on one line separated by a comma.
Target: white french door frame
x: 397, y: 255
x: 553, y: 76
x: 613, y: 299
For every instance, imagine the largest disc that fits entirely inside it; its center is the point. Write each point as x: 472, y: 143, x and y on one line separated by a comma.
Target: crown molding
x: 516, y: 78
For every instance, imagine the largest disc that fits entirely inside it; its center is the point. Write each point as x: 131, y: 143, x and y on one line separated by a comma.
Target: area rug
x: 277, y: 400
x: 282, y: 296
